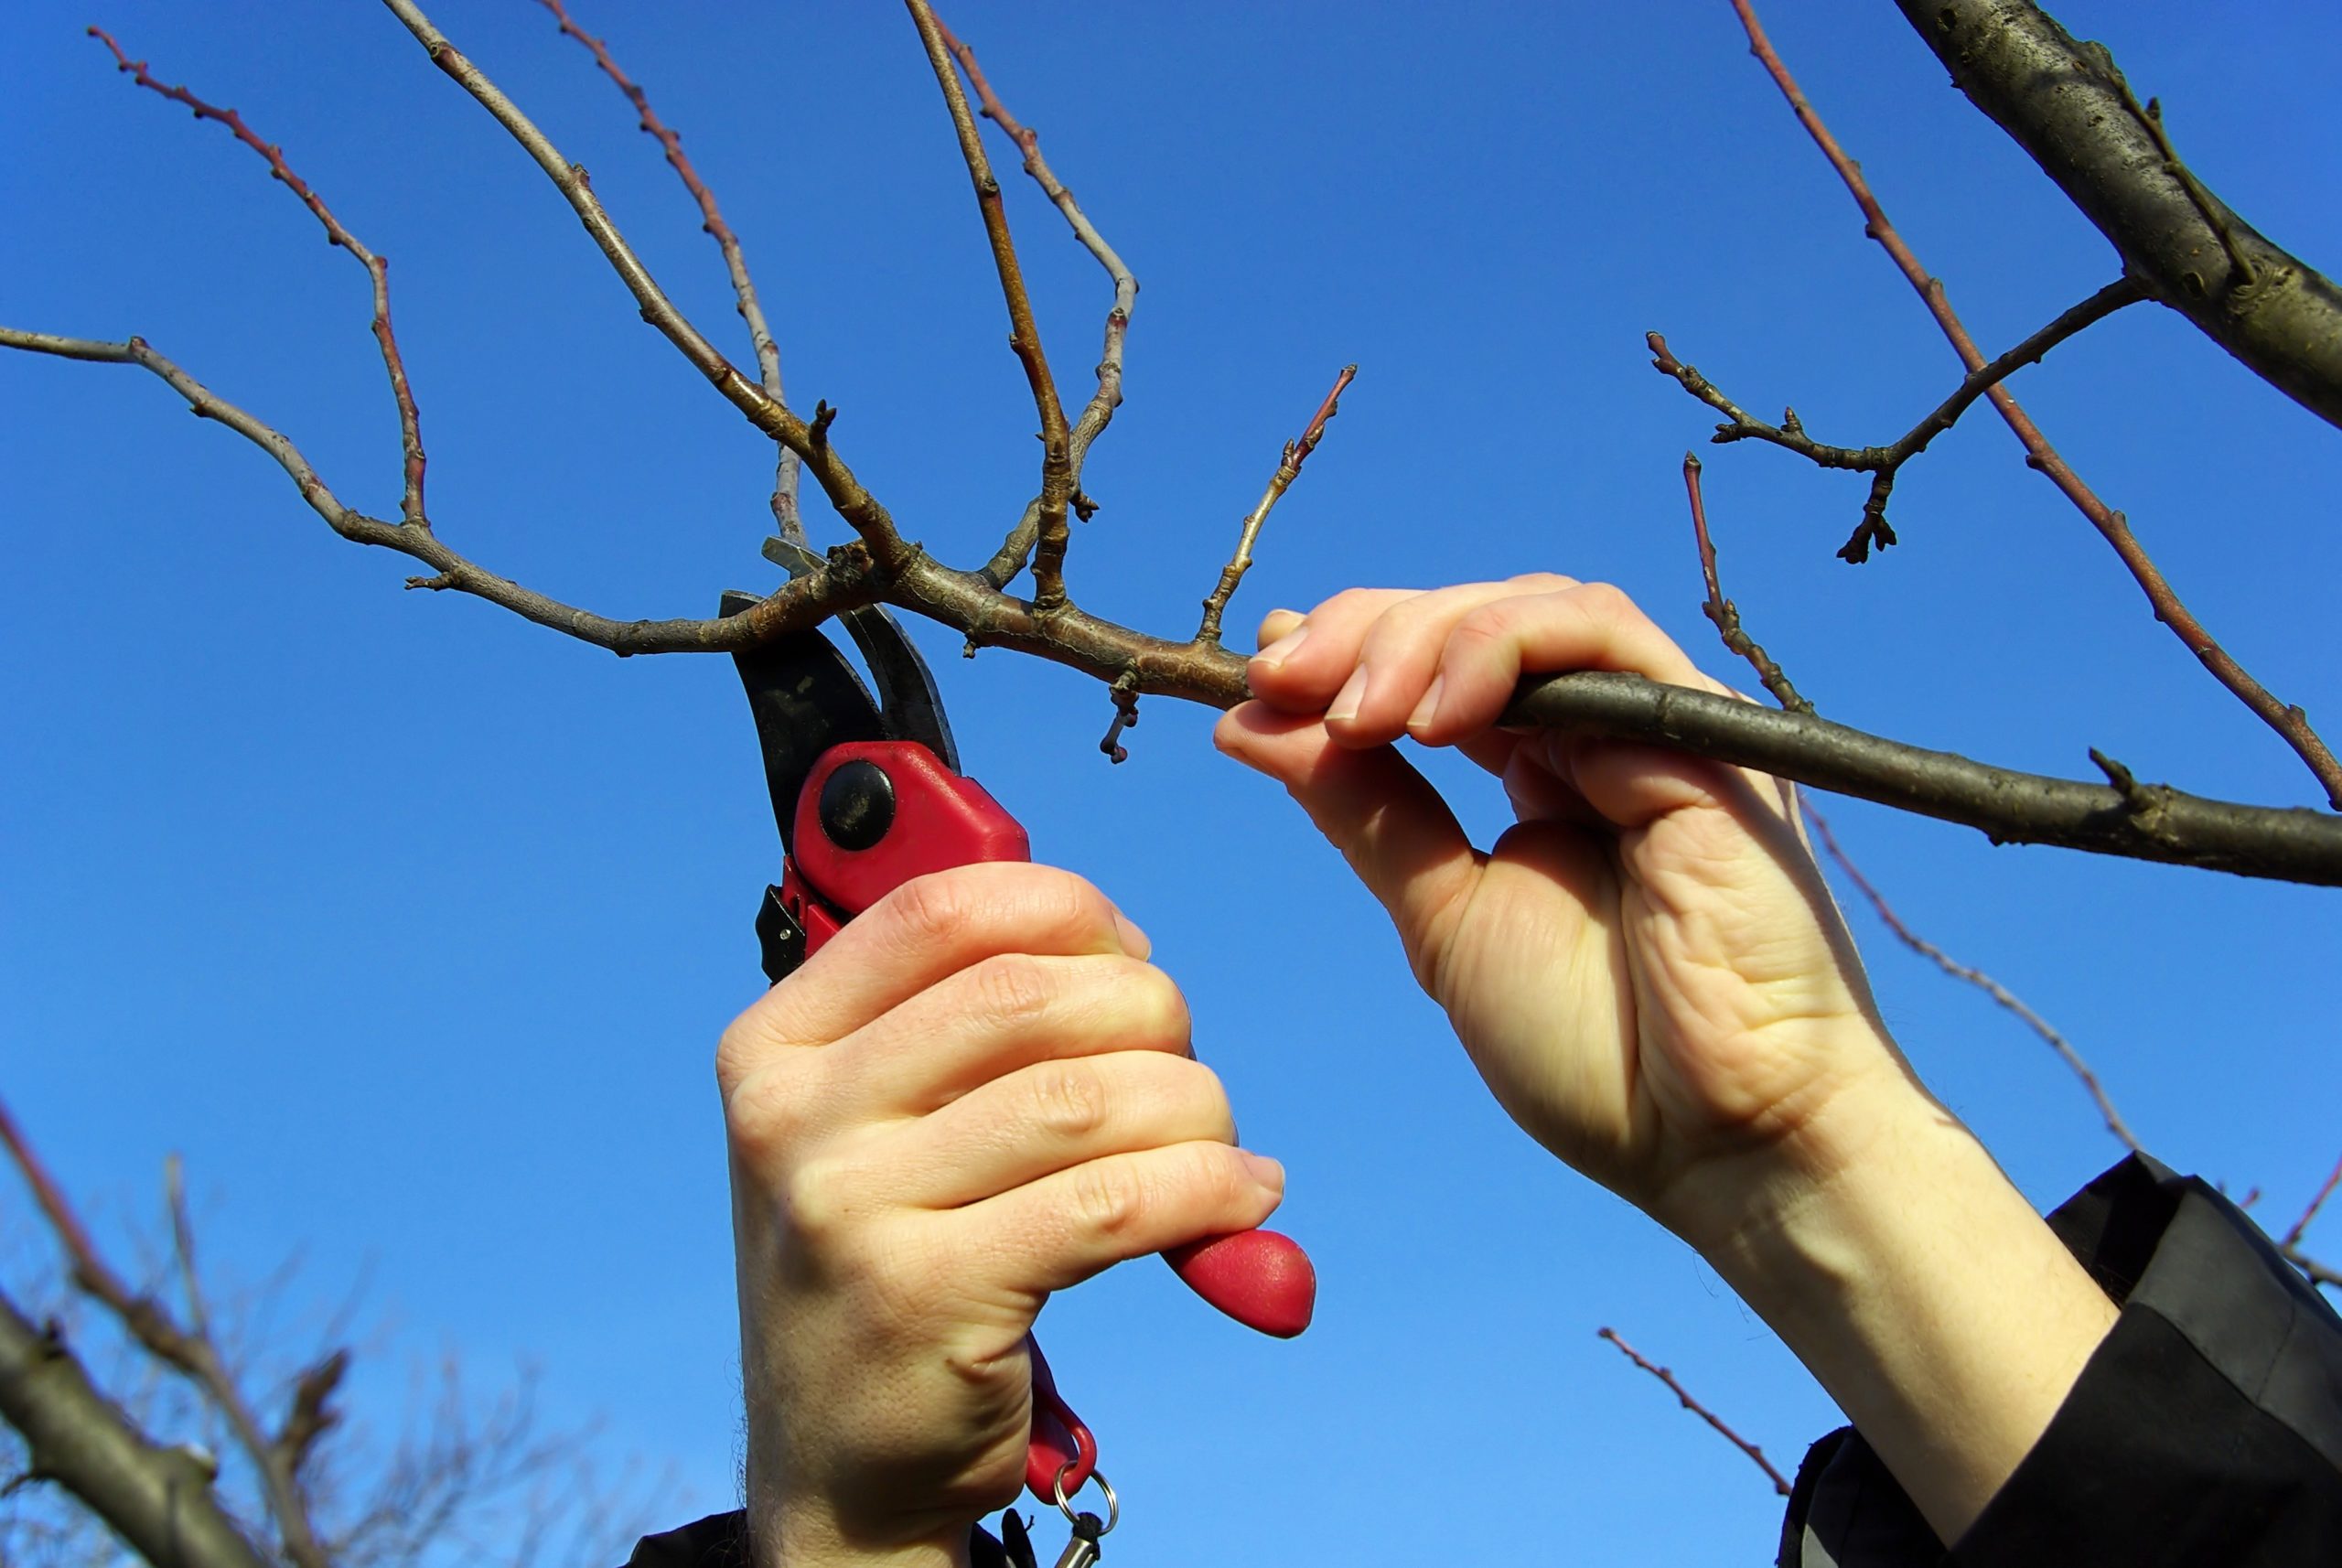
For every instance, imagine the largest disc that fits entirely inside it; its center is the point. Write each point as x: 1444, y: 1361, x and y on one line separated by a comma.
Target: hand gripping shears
x: 868, y: 794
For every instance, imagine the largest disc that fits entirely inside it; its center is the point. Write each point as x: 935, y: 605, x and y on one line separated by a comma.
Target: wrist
x: 1922, y: 1289
x: 795, y: 1532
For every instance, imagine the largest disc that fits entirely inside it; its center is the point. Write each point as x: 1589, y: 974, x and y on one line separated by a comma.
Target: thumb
x: 1388, y: 822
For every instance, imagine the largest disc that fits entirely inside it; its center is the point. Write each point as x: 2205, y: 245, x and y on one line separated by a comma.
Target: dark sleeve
x: 721, y: 1540
x: 2205, y: 1430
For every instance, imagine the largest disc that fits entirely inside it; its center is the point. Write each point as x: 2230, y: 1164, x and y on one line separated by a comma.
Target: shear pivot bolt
x: 857, y: 804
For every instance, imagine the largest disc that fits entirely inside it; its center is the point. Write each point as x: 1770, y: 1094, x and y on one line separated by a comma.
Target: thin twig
x: 1024, y: 335
x: 736, y: 263
x: 378, y: 268
x: 1780, y: 1482
x: 1973, y: 976
x: 2289, y: 722
x: 1125, y: 694
x: 1109, y: 396
x: 1883, y: 462
x: 889, y: 552
x: 802, y: 602
x: 2318, y: 1273
x: 1724, y: 612
x: 1295, y: 454
x: 2310, y: 1213
x: 192, y: 1353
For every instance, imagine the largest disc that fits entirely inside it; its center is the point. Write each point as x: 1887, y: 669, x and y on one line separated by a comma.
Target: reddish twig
x: 1780, y: 1482
x: 192, y: 1353
x: 1295, y: 454
x: 1024, y: 333
x: 378, y: 268
x: 736, y: 263
x: 2289, y: 722
x: 2309, y: 1215
x: 1722, y: 611
x: 1975, y: 977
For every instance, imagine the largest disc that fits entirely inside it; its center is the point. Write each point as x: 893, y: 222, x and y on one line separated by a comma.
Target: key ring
x: 1065, y: 1507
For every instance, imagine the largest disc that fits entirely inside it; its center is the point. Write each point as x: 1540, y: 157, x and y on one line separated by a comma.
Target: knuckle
x: 1208, y: 1174
x: 1071, y: 1099
x: 1155, y: 1009
x: 820, y: 1200
x: 1108, y: 1198
x: 928, y: 907
x: 1012, y: 988
x: 1606, y: 602
x: 771, y: 1113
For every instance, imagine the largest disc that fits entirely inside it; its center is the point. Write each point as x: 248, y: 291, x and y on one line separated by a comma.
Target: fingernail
x: 1344, y: 705
x: 1428, y: 709
x: 1134, y: 942
x: 1265, y: 1171
x: 1282, y: 649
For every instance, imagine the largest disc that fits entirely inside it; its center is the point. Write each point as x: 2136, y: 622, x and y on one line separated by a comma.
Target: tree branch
x: 1884, y: 463
x: 2066, y: 104
x: 735, y: 262
x: 1722, y: 611
x: 158, y: 1501
x: 1024, y: 335
x: 2309, y: 1215
x: 850, y: 580
x: 1109, y: 396
x: 190, y: 1351
x: 2145, y: 822
x: 889, y: 552
x: 1296, y: 453
x: 378, y: 268
x: 2289, y: 722
x: 1780, y: 1482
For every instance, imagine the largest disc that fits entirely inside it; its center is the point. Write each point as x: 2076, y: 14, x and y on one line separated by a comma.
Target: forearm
x: 1921, y: 1289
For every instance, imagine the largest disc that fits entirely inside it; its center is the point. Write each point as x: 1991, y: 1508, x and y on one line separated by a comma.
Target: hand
x: 1648, y: 970
x: 1653, y: 980
x: 976, y: 1094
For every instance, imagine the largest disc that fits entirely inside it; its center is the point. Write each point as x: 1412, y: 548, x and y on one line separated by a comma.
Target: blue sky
x: 412, y: 926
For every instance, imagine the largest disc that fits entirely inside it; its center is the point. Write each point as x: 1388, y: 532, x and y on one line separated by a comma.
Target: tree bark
x: 2066, y: 104
x: 158, y: 1501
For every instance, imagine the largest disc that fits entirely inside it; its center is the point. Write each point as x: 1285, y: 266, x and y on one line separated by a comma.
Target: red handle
x: 1261, y: 1278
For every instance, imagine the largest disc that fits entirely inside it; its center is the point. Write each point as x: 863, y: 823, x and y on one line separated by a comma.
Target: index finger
x: 929, y: 928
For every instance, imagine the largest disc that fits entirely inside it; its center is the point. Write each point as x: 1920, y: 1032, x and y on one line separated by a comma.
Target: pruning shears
x: 867, y: 793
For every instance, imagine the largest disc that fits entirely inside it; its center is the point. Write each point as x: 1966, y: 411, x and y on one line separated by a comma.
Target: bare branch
x: 158, y: 1501
x: 1024, y: 335
x: 1975, y: 977
x: 804, y: 602
x: 735, y: 262
x: 1724, y: 612
x: 2318, y: 1273
x: 888, y: 550
x: 2309, y: 1215
x: 2289, y: 722
x: 1109, y: 396
x: 192, y: 1352
x: 378, y: 268
x: 1883, y: 462
x: 1296, y: 453
x: 2066, y: 104
x: 1780, y: 1482
x: 2155, y: 823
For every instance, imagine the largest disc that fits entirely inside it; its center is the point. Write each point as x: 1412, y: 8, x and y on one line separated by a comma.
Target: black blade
x: 906, y: 692
x: 805, y: 698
